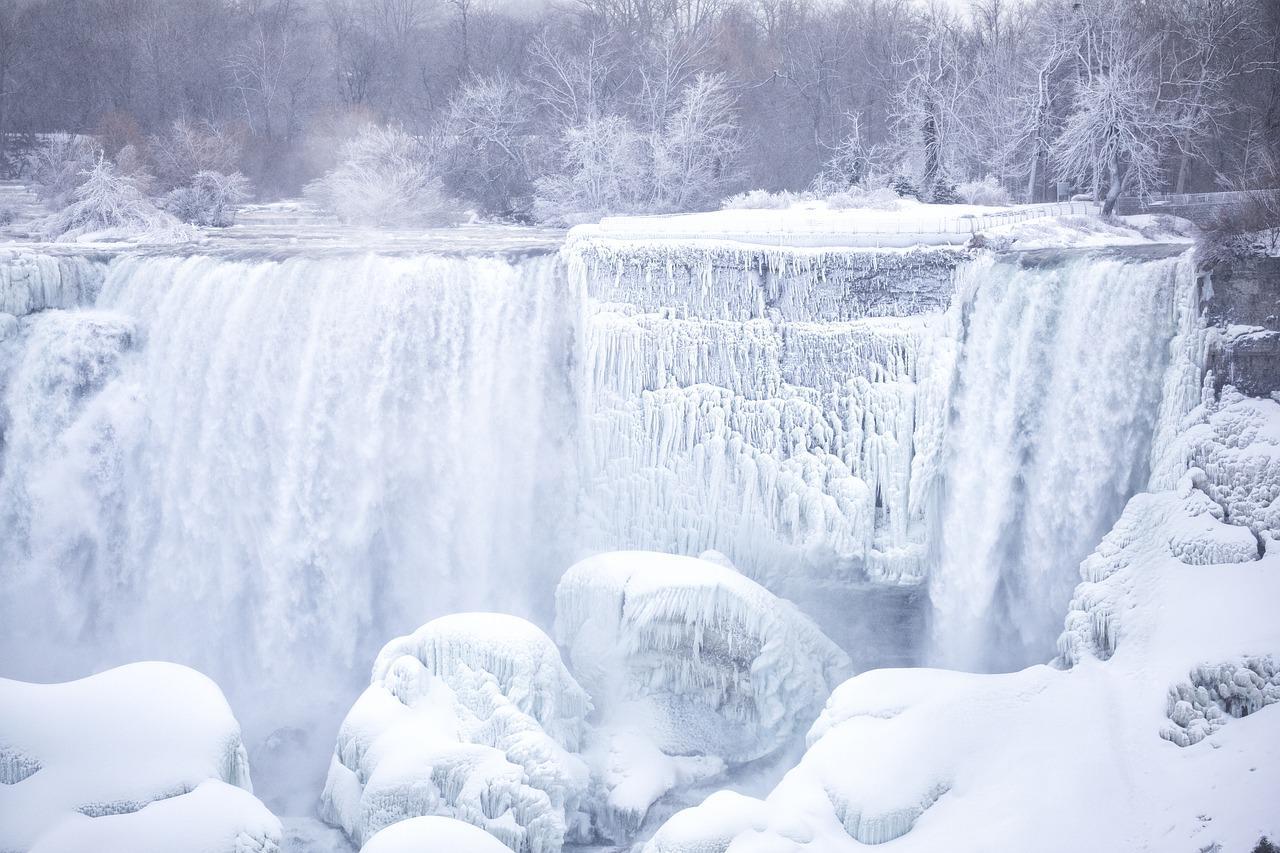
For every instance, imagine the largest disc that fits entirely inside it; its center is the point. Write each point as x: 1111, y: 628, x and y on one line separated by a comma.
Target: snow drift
x: 145, y: 757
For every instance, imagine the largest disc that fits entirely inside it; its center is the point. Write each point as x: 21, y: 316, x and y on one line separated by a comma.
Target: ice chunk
x: 474, y: 717
x: 715, y: 663
x: 35, y: 282
x: 143, y: 757
x: 1215, y: 694
x: 432, y: 835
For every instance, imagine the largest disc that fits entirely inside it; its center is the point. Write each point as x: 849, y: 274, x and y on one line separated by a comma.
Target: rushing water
x: 267, y: 468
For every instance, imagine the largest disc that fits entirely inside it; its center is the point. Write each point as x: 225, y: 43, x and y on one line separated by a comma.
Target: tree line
x: 628, y: 105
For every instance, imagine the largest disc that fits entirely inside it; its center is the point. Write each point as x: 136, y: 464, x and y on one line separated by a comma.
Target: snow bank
x: 145, y: 757
x: 474, y: 717
x: 432, y: 835
x: 1172, y: 634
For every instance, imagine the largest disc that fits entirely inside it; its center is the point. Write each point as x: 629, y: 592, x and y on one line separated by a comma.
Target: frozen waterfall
x: 1055, y: 402
x: 265, y: 468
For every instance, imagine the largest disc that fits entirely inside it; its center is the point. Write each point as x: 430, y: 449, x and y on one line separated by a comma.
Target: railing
x: 804, y: 226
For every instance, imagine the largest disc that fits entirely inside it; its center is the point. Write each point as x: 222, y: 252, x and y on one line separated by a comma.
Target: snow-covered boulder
x: 433, y: 835
x: 694, y: 666
x: 1170, y: 642
x: 145, y: 757
x: 473, y: 717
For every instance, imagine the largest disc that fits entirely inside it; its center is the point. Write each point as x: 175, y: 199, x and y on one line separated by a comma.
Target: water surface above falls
x: 265, y: 460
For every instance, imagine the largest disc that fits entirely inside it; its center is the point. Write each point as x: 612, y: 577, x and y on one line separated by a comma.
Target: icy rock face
x: 473, y: 717
x: 765, y: 404
x: 145, y: 757
x: 258, y: 466
x: 719, y: 665
x: 1215, y: 694
x: 35, y: 282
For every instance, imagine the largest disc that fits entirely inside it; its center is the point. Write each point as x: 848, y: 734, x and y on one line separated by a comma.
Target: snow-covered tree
x: 55, y: 168
x: 385, y: 177
x: 1113, y: 135
x: 109, y: 201
x: 603, y: 169
x: 188, y: 148
x: 488, y: 134
x: 694, y: 154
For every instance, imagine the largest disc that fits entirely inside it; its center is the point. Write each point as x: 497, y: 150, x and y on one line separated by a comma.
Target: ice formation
x: 693, y: 656
x: 472, y: 717
x: 937, y: 760
x: 433, y: 835
x: 145, y: 757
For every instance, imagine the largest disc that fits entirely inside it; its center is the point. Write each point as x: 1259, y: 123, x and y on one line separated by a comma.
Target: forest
x: 561, y: 111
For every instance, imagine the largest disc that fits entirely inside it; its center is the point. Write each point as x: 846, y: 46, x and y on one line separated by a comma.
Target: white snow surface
x: 144, y: 757
x: 433, y: 835
x: 472, y: 717
x: 1178, y: 598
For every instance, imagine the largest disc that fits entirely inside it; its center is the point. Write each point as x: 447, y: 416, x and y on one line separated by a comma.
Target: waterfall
x: 266, y: 469
x: 1056, y: 398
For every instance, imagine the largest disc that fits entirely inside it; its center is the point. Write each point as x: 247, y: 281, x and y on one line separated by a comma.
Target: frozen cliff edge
x: 1171, y: 641
x: 145, y: 757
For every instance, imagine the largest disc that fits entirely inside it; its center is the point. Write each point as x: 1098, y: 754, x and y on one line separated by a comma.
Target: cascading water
x: 1056, y: 399
x: 266, y: 469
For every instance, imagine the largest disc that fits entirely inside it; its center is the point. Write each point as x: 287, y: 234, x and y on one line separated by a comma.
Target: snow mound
x: 143, y: 757
x: 722, y: 666
x: 432, y: 835
x: 938, y: 760
x: 473, y: 717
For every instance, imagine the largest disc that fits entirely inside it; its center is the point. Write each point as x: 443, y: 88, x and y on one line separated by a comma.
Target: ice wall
x: 264, y: 468
x: 1057, y: 396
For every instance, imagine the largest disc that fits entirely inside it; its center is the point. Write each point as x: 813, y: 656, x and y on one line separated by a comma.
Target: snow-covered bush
x: 107, y: 201
x: 944, y: 191
x: 986, y: 191
x: 187, y: 149
x: 210, y: 199
x: 761, y: 200
x: 58, y: 166
x: 877, y: 198
x: 385, y: 177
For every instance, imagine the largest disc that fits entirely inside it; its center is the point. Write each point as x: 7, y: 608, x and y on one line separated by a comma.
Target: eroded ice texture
x: 145, y: 757
x: 31, y: 282
x: 472, y: 717
x: 1058, y: 389
x: 268, y: 467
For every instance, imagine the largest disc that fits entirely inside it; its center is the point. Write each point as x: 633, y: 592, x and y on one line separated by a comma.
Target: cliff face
x: 1241, y: 297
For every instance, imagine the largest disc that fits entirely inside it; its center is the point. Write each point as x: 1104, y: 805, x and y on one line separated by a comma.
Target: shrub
x: 761, y: 200
x: 1265, y: 846
x: 107, y: 201
x: 58, y: 166
x: 210, y: 199
x: 603, y: 170
x: 986, y: 191
x: 879, y: 198
x: 385, y: 177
